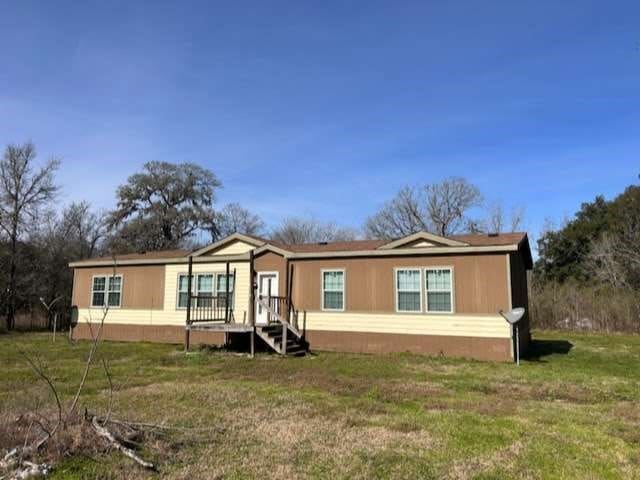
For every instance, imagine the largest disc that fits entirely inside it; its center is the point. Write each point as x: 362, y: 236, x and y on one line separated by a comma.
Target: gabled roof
x: 424, y: 236
x: 409, y: 245
x: 235, y: 237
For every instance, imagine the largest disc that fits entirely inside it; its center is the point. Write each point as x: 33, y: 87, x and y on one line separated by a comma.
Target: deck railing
x: 211, y: 308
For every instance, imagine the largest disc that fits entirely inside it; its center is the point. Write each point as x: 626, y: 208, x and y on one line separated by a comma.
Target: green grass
x: 559, y: 415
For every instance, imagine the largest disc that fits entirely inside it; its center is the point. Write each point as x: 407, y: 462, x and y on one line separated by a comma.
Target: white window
x: 206, y: 286
x: 333, y: 290
x: 221, y: 289
x: 438, y: 282
x: 183, y: 285
x: 408, y: 290
x: 204, y: 290
x: 106, y: 291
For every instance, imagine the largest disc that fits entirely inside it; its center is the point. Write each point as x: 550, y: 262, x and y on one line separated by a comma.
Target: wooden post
x: 269, y: 302
x: 290, y: 293
x: 286, y: 291
x: 188, y: 325
x: 226, y: 300
x: 252, y: 304
x: 226, y: 305
x: 304, y: 325
x: 284, y: 338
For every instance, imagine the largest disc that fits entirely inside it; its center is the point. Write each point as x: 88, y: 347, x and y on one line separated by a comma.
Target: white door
x: 266, y: 280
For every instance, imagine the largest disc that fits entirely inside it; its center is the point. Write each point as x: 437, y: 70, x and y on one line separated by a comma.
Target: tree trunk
x: 11, y: 300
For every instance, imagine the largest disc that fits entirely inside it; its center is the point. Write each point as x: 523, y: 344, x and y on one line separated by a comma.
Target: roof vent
x: 494, y: 234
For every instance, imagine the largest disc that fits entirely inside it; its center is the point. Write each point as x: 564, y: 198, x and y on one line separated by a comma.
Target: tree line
x: 587, y: 275
x: 171, y: 206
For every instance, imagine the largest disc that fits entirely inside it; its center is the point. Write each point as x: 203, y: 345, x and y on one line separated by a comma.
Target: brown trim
x: 479, y: 348
x: 149, y: 333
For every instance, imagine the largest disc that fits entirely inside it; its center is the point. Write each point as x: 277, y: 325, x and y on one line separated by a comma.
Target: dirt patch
x: 503, y: 458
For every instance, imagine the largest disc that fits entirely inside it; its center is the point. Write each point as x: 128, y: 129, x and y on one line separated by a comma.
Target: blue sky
x: 327, y: 108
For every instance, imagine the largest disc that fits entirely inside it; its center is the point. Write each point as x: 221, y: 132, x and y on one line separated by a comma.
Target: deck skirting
x: 479, y: 348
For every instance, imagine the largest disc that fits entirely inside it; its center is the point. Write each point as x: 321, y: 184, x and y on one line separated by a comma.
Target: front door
x: 267, y: 281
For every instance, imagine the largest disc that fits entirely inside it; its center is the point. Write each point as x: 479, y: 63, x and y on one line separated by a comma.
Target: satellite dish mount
x: 513, y: 317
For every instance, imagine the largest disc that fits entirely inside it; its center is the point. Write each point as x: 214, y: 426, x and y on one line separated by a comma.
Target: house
x: 421, y: 293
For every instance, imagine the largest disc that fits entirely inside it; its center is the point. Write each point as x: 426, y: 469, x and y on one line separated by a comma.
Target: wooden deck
x: 215, y: 313
x: 220, y: 327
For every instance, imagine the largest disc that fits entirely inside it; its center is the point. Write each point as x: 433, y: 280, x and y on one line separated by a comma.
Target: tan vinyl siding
x: 272, y: 262
x: 480, y: 282
x: 520, y: 295
x: 491, y: 326
x: 169, y: 314
x: 142, y: 287
x: 241, y: 287
x: 233, y: 248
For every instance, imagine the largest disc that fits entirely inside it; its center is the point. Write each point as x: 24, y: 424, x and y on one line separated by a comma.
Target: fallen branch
x: 106, y: 434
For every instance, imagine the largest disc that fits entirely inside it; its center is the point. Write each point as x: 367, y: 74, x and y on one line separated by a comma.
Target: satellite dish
x: 513, y: 316
x: 74, y: 316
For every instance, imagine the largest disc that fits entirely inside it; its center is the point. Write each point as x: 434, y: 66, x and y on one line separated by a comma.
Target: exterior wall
x: 148, y: 333
x: 143, y: 288
x: 272, y: 262
x: 233, y: 248
x: 520, y: 296
x: 480, y: 348
x: 169, y: 314
x: 483, y: 284
x: 241, y: 288
x: 420, y: 244
x: 489, y: 326
x: 480, y: 282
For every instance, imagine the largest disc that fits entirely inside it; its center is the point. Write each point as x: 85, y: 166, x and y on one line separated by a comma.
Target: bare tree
x: 440, y: 208
x: 403, y: 215
x: 295, y: 230
x: 497, y: 221
x: 59, y: 239
x: 448, y: 202
x: 234, y: 218
x: 605, y: 262
x: 22, y: 192
x: 85, y: 229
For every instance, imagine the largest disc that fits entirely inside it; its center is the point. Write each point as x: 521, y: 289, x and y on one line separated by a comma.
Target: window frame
x: 105, y: 293
x: 420, y: 270
x: 194, y: 286
x: 232, y: 292
x: 343, y: 291
x: 452, y: 289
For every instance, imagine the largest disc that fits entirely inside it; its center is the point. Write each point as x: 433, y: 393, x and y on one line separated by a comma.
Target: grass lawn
x: 572, y: 412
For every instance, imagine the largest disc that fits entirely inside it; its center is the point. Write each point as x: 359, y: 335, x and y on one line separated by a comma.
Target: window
x: 333, y: 290
x: 408, y: 297
x: 204, y: 288
x: 221, y: 289
x: 183, y: 285
x: 97, y: 295
x: 205, y: 285
x: 106, y: 291
x: 439, y: 290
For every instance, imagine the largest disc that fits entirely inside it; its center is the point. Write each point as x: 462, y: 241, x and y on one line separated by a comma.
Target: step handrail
x: 286, y: 325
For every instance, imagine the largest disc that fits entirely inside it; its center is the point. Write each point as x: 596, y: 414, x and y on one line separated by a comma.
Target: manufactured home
x: 422, y: 293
